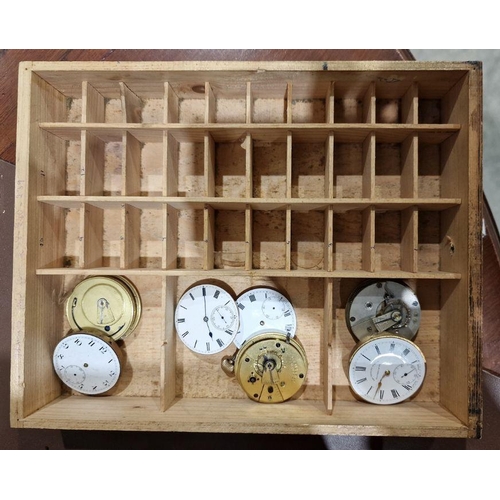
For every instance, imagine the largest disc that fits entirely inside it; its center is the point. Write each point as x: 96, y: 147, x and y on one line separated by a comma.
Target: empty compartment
x: 72, y: 248
x: 442, y: 104
x: 388, y: 241
x: 230, y: 103
x: 102, y: 167
x: 348, y: 110
x: 58, y: 236
x: 112, y: 180
x: 269, y: 103
x: 73, y: 168
x: 388, y: 111
x: 191, y: 246
x: 308, y: 240
x: 111, y: 238
x: 269, y: 239
x: 113, y: 110
x: 191, y: 171
x: 269, y: 169
x: 191, y: 103
x: 230, y: 170
x: 230, y: 241
x: 429, y: 170
x: 151, y: 174
x: 348, y: 168
x: 143, y: 172
x: 152, y: 110
x: 388, y: 161
x: 429, y: 241
x: 348, y: 241
x: 143, y: 241
x: 429, y: 111
x: 308, y: 109
x: 74, y: 110
x: 308, y: 170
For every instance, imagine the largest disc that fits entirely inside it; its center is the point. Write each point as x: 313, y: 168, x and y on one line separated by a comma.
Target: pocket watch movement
x: 383, y: 306
x: 271, y: 367
x: 108, y: 304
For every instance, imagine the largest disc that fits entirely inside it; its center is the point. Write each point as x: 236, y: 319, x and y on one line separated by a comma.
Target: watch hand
x: 205, y: 319
x: 387, y: 372
x: 224, y: 319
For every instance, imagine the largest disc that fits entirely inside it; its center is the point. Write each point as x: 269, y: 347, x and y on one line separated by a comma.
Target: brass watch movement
x: 271, y: 367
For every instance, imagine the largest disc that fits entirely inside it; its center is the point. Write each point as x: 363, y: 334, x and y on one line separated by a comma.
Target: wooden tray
x: 309, y: 177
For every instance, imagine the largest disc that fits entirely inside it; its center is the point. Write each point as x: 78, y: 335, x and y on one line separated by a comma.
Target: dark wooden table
x: 9, y: 60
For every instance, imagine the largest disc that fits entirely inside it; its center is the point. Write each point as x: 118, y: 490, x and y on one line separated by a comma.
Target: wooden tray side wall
x: 461, y: 252
x: 38, y: 240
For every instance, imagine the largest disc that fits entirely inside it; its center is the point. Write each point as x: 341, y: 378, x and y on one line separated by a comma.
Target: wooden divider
x: 369, y: 105
x: 131, y: 165
x: 326, y: 344
x: 249, y: 104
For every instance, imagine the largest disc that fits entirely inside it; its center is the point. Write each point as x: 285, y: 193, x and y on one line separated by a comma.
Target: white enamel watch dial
x: 88, y: 362
x: 264, y: 309
x: 206, y: 319
x: 386, y: 369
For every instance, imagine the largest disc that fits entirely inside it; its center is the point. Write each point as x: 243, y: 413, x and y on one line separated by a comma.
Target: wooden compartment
x: 289, y: 175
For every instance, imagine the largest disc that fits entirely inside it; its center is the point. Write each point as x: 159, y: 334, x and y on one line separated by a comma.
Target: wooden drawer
x: 309, y: 177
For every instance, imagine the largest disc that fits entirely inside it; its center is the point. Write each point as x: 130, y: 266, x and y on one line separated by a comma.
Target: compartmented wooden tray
x: 309, y: 177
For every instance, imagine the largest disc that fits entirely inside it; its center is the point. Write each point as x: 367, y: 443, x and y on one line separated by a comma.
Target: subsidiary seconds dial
x: 206, y: 319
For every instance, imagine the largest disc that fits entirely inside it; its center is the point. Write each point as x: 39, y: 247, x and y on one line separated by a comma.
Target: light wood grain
x: 209, y: 415
x: 131, y: 105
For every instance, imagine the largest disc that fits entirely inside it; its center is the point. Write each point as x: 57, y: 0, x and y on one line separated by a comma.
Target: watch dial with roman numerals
x: 264, y: 309
x: 386, y: 369
x: 206, y: 319
x: 88, y: 363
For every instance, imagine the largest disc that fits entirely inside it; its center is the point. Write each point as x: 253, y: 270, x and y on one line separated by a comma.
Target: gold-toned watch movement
x: 108, y: 304
x: 271, y: 367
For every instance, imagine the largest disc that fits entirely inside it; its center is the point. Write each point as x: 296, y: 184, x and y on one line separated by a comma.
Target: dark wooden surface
x: 32, y: 439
